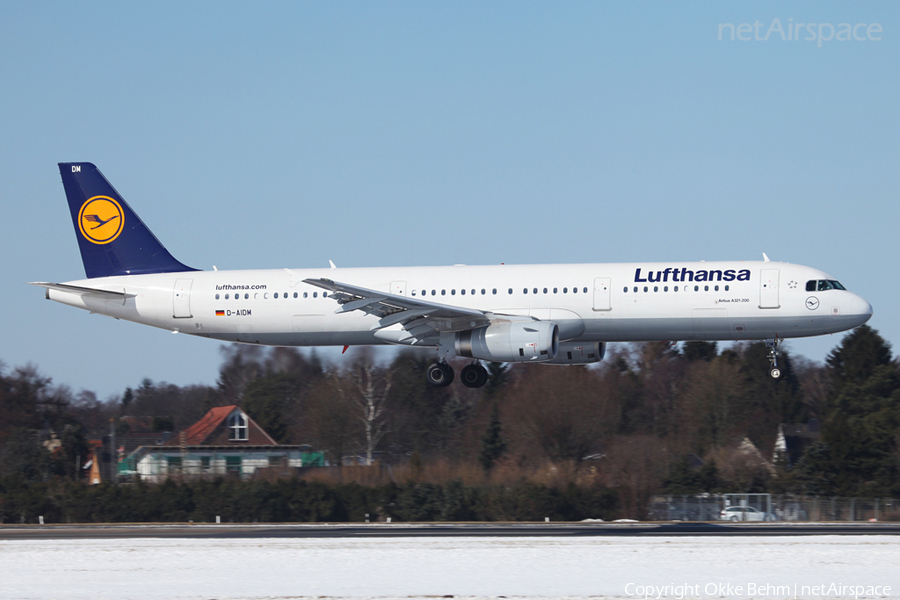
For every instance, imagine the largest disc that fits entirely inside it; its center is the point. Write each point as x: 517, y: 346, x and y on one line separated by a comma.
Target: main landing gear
x: 774, y: 347
x: 474, y: 375
x: 440, y: 374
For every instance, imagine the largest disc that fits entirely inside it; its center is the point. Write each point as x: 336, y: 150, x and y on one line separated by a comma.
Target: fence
x: 771, y: 507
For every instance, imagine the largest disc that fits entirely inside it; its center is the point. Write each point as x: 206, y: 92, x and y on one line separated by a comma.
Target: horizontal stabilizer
x: 83, y: 291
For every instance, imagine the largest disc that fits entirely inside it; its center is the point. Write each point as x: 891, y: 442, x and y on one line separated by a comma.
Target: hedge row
x: 296, y: 500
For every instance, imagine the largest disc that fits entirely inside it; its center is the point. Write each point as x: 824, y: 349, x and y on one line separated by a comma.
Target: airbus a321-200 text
x: 561, y: 314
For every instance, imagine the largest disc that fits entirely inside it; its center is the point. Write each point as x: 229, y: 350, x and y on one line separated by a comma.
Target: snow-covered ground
x: 528, y: 567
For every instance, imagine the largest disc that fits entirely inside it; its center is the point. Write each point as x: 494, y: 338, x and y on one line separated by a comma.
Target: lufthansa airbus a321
x: 562, y: 314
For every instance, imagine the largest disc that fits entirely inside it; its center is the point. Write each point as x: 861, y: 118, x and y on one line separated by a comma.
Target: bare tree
x: 712, y: 394
x: 372, y: 386
x: 563, y: 412
x: 242, y: 364
x: 635, y: 466
x: 367, y: 387
x: 330, y: 422
x: 813, y: 385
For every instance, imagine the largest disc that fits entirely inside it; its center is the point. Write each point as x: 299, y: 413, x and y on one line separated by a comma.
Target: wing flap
x: 428, y: 318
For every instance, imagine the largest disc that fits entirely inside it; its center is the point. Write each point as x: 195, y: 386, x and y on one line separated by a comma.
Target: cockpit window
x: 823, y: 285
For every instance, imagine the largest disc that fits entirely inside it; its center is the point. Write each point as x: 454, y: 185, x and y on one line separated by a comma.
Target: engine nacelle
x: 579, y: 353
x: 515, y: 341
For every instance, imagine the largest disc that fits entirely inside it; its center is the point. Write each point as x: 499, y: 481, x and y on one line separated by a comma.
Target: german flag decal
x: 220, y: 313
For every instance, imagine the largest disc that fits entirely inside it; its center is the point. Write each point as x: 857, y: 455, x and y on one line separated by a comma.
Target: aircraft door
x: 768, y: 288
x: 398, y: 288
x: 181, y: 299
x: 601, y: 293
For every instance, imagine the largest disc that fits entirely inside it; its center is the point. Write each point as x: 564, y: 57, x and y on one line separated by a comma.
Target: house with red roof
x: 225, y: 441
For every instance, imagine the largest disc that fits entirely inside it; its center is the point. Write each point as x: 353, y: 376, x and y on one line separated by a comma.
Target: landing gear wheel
x: 473, y: 376
x: 440, y: 374
x: 775, y: 372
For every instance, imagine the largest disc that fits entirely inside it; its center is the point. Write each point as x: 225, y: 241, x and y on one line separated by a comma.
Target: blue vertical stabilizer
x: 112, y: 239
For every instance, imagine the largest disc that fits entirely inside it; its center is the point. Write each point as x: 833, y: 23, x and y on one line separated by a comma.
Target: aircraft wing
x: 411, y: 317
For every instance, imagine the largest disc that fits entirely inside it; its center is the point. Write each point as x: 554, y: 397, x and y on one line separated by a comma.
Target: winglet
x: 332, y: 265
x: 766, y: 258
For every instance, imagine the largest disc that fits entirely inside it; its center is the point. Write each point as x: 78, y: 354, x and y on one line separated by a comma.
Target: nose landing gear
x: 774, y: 347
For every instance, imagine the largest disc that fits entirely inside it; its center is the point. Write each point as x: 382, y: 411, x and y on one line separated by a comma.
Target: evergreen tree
x: 493, y: 446
x: 127, y: 398
x: 860, y: 353
x: 863, y: 423
x: 682, y: 478
x: 24, y: 455
x: 498, y: 374
x: 271, y: 401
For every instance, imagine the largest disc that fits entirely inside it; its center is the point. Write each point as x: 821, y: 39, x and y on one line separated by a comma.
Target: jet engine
x: 514, y: 341
x: 579, y: 353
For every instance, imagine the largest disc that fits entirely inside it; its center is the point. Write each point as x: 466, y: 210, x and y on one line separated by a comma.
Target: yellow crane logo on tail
x: 101, y: 219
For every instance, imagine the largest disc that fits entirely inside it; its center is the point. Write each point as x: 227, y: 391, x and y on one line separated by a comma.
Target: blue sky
x: 274, y: 134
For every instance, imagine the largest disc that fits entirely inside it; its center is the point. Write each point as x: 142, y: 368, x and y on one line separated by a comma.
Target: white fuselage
x: 590, y: 302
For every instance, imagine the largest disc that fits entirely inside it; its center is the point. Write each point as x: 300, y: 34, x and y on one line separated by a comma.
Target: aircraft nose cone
x: 861, y: 308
